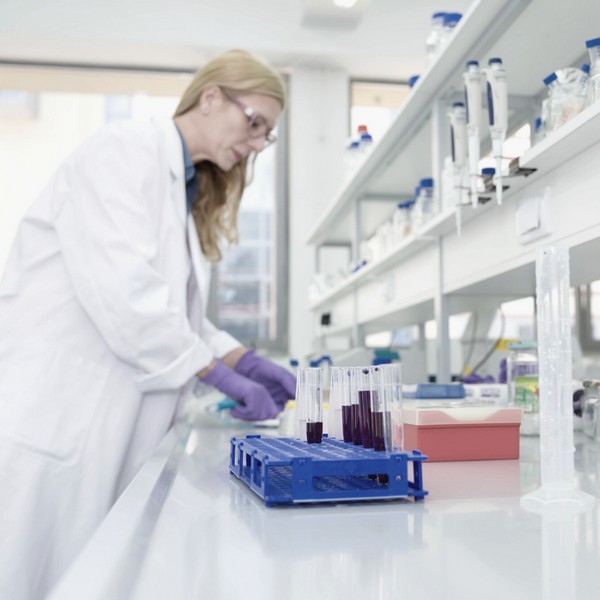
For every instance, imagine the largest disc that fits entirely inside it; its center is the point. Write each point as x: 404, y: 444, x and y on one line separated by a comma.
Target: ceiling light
x: 345, y: 3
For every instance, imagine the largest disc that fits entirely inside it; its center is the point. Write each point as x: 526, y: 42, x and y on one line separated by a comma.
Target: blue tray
x: 289, y: 471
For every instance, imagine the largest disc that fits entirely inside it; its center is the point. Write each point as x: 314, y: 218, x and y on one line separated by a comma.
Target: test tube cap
x: 495, y: 61
x: 592, y: 43
x: 472, y: 63
x: 552, y: 77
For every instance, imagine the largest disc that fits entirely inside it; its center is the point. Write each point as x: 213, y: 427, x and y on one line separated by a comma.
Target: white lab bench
x: 187, y: 529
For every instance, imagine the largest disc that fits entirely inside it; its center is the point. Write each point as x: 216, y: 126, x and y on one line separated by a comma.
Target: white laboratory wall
x: 319, y: 105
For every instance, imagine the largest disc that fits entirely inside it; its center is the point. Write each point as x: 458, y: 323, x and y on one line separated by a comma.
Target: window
x: 375, y: 104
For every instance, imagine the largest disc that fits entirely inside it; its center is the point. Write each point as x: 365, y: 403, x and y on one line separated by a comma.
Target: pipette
x: 473, y: 79
x: 497, y: 95
x: 458, y: 138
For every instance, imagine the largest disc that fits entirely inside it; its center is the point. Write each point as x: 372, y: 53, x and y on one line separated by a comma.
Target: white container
x: 593, y: 47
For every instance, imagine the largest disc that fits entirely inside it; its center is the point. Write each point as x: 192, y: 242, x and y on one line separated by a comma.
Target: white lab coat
x: 102, y: 330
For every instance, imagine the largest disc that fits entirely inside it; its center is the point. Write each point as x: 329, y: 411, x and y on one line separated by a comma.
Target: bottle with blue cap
x: 450, y: 22
x: 424, y: 207
x: 593, y: 48
x: 402, y: 219
x: 433, y: 43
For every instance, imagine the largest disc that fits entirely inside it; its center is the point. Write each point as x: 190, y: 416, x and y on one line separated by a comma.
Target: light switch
x: 534, y: 216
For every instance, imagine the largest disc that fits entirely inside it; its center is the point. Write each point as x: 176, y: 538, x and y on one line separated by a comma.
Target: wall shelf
x: 386, y: 155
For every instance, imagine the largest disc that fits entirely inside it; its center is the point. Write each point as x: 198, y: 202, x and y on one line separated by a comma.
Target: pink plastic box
x: 462, y: 433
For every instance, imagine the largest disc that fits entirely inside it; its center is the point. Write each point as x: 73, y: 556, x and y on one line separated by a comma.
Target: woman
x: 102, y: 313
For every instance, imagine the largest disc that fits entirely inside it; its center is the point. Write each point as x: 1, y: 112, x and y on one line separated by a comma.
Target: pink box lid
x: 461, y: 415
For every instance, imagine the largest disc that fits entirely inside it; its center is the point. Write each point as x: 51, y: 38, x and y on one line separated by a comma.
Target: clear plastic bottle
x: 366, y: 139
x: 450, y: 22
x: 424, y: 203
x: 593, y: 48
x: 352, y: 158
x: 433, y: 43
x: 412, y: 80
x: 573, y: 84
x: 523, y: 383
x: 402, y: 220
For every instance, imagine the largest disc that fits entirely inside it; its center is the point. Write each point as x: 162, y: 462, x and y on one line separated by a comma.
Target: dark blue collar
x: 191, y: 184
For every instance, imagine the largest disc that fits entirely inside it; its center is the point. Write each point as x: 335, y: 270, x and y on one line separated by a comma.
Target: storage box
x: 448, y: 433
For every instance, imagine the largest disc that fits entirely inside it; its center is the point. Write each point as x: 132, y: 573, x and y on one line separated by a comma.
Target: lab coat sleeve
x: 108, y: 202
x: 220, y: 342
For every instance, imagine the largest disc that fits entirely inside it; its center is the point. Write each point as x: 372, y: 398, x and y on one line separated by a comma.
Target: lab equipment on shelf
x: 402, y: 220
x: 567, y: 96
x: 556, y: 391
x: 450, y: 22
x: 288, y: 471
x: 424, y: 208
x: 593, y: 48
x: 497, y: 96
x: 412, y: 80
x: 473, y: 79
x: 434, y: 40
x: 458, y: 139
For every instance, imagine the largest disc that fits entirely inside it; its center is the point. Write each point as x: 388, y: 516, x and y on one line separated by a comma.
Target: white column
x: 318, y: 128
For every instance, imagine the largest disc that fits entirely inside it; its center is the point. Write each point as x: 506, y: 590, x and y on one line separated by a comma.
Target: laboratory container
x: 593, y: 48
x: 354, y: 405
x: 424, y: 207
x: 340, y: 423
x: 523, y: 383
x: 402, y: 220
x: 367, y: 387
x: 309, y: 404
x: 453, y: 431
x: 433, y: 42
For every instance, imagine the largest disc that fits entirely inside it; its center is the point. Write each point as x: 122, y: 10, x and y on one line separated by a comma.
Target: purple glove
x: 280, y: 383
x: 255, y: 402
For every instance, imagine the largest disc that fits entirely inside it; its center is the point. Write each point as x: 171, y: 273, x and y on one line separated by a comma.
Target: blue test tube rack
x: 290, y: 471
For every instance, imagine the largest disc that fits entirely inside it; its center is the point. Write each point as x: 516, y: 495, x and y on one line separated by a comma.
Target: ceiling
x: 385, y: 42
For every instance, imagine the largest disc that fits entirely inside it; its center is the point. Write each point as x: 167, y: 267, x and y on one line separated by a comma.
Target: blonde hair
x: 217, y: 202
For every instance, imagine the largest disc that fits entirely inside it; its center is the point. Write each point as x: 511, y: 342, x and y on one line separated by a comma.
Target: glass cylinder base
x: 567, y: 501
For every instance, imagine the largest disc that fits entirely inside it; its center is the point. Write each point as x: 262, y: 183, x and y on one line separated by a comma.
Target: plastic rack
x: 289, y: 471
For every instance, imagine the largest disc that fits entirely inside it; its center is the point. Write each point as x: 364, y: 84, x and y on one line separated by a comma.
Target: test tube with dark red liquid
x: 339, y: 405
x: 354, y: 375
x: 314, y: 398
x: 387, y: 400
x: 365, y: 391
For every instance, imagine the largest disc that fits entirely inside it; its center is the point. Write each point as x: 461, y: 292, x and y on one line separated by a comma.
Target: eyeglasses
x: 257, y: 126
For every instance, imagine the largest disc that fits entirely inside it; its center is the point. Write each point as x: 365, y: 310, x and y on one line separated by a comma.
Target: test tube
x: 314, y: 406
x: 347, y: 406
x: 338, y: 395
x: 365, y: 391
x: 354, y: 375
x: 385, y: 405
x: 307, y: 380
